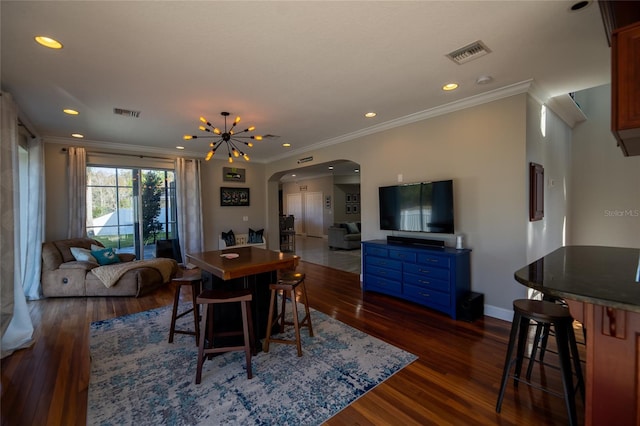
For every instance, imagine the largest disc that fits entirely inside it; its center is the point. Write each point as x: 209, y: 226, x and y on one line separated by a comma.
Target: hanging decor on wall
x: 229, y: 137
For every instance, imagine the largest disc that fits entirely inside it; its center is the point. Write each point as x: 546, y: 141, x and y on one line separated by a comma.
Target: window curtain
x: 77, y: 192
x: 189, y: 206
x: 35, y: 217
x: 15, y: 323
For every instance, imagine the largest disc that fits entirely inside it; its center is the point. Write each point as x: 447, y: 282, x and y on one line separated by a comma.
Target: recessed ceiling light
x: 179, y: 147
x: 70, y: 111
x: 370, y: 114
x: 578, y: 6
x: 77, y: 135
x: 286, y: 145
x: 293, y: 175
x: 450, y: 86
x: 48, y: 42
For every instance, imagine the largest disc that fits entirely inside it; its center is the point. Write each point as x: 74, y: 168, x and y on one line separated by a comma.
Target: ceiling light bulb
x: 286, y: 145
x: 209, y: 155
x: 237, y: 120
x: 187, y: 137
x: 48, y: 42
x: 179, y: 147
x: 77, y: 135
x: 450, y: 86
x: 370, y: 114
x: 257, y: 137
x: 70, y: 111
x: 251, y: 129
x: 246, y: 157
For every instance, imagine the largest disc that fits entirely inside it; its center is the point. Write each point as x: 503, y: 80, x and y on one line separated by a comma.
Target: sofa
x: 63, y: 275
x: 344, y: 235
x: 252, y: 239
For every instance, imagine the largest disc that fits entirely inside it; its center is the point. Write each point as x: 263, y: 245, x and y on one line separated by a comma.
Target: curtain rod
x: 130, y: 155
x: 21, y: 124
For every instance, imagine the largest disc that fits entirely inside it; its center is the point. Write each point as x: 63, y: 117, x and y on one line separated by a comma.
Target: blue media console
x: 435, y: 277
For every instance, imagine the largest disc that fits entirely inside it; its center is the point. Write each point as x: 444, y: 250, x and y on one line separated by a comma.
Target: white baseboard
x: 499, y: 313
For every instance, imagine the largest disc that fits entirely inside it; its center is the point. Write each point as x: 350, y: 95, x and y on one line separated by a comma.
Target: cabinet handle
x: 425, y: 271
x: 425, y: 294
x: 424, y: 282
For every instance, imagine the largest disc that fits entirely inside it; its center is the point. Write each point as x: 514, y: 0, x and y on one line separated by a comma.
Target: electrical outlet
x: 245, y: 218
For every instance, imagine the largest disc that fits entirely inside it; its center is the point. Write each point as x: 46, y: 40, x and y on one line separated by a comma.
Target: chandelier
x: 230, y: 137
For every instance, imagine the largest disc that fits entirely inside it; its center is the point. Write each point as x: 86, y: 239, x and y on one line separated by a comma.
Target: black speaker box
x: 471, y: 306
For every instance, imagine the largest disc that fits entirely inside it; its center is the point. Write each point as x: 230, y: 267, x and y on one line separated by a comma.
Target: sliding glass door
x: 129, y: 209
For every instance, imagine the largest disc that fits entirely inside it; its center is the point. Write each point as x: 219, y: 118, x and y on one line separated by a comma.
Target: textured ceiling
x: 303, y: 71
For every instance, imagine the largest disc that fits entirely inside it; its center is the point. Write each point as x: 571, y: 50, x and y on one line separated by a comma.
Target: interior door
x: 294, y: 207
x: 313, y: 223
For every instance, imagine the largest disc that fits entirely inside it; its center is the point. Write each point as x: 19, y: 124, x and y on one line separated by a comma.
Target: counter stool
x: 542, y: 334
x: 193, y: 279
x: 545, y: 313
x: 287, y: 283
x: 207, y: 333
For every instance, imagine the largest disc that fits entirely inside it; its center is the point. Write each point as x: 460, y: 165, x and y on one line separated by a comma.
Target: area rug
x: 139, y: 378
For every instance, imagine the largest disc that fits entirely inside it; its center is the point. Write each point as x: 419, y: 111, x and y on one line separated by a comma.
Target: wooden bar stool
x: 194, y: 279
x: 207, y: 333
x: 287, y: 283
x: 544, y: 313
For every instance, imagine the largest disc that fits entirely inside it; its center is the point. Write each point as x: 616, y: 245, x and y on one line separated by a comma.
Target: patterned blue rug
x: 139, y: 378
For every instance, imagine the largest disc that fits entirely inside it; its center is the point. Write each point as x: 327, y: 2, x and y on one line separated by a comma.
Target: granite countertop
x: 600, y: 275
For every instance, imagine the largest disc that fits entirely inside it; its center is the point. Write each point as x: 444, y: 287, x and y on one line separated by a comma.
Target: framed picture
x: 233, y: 174
x: 536, y: 192
x: 234, y: 196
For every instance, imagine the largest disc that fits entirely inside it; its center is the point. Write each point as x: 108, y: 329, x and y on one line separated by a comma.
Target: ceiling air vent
x: 469, y: 52
x: 126, y: 112
x: 270, y: 136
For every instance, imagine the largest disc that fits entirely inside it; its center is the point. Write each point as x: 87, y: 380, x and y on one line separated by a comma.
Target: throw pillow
x: 229, y: 238
x: 82, y: 254
x: 106, y: 256
x: 352, y: 228
x: 255, y: 237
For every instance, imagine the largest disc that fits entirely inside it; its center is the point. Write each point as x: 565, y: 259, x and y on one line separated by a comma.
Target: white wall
x: 483, y: 149
x: 553, y: 152
x: 605, y: 196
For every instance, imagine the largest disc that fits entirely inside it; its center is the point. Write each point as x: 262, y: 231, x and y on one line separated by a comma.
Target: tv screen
x: 417, y: 207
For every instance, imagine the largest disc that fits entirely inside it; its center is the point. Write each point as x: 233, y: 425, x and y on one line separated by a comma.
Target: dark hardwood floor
x: 455, y: 380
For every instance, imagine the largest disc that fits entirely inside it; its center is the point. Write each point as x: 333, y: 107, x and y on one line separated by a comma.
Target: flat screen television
x: 417, y: 207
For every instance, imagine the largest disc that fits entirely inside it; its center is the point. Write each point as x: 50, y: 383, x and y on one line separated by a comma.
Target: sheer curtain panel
x: 35, y: 217
x: 77, y: 192
x: 189, y: 205
x: 17, y: 328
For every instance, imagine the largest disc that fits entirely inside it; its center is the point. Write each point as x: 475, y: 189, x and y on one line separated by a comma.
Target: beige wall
x: 605, y: 196
x: 483, y: 149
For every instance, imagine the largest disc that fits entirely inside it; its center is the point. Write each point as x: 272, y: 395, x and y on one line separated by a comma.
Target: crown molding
x: 504, y: 92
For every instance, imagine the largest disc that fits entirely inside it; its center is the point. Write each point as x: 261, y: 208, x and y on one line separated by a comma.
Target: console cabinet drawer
x: 427, y: 271
x: 376, y: 251
x: 433, y: 260
x: 384, y: 272
x: 375, y: 283
x: 426, y: 282
x: 371, y: 261
x: 427, y: 297
x: 402, y: 256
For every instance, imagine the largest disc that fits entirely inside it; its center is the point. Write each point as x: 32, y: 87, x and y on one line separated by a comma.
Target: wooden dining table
x: 243, y: 268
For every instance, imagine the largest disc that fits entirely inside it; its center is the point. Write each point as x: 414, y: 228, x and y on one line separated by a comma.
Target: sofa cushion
x: 352, y: 228
x: 255, y: 237
x: 105, y: 256
x: 229, y: 238
x: 64, y: 246
x: 82, y: 254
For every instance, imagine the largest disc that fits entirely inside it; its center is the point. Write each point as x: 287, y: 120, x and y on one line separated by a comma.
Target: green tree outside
x: 151, y: 195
